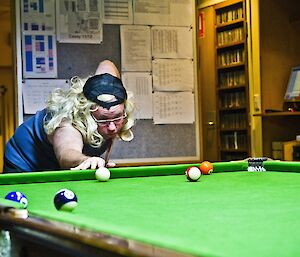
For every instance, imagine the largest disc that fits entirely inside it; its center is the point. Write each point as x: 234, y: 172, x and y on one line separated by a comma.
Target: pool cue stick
x: 108, y: 151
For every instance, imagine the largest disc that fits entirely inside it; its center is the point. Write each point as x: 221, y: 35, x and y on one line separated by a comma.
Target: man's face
x: 109, y: 121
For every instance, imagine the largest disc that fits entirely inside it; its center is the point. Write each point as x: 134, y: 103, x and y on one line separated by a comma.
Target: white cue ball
x: 102, y: 174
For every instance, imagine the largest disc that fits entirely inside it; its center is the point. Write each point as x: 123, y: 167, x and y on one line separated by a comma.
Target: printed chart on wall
x: 37, y: 91
x: 119, y: 12
x: 79, y: 21
x: 38, y: 39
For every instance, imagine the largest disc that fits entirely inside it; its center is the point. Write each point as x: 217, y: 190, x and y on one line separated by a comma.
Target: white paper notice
x: 173, y: 108
x: 38, y: 16
x: 163, y: 12
x: 172, y: 42
x: 173, y: 75
x: 135, y: 48
x: 117, y: 12
x: 37, y: 91
x: 79, y: 21
x: 39, y: 56
x: 140, y: 84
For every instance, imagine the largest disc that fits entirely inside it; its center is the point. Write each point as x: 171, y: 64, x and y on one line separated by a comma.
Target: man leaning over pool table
x: 92, y: 112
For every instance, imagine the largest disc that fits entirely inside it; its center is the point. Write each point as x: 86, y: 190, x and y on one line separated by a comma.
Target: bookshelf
x: 232, y: 80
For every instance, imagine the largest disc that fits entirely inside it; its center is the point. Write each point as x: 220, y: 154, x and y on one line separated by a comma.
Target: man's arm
x: 68, y: 144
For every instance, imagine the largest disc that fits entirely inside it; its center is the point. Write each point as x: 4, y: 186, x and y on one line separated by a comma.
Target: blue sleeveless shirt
x: 30, y: 150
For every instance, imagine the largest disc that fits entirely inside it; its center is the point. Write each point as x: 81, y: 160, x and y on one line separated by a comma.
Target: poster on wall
x: 117, y: 12
x: 37, y: 91
x: 173, y: 108
x: 39, y: 56
x: 140, y: 84
x: 38, y: 38
x: 135, y: 48
x: 163, y: 12
x: 79, y: 21
x: 38, y: 16
x: 173, y: 75
x: 172, y: 42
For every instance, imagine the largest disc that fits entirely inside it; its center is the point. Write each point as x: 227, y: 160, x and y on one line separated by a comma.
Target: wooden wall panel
x: 280, y: 51
x: 207, y: 85
x: 7, y: 103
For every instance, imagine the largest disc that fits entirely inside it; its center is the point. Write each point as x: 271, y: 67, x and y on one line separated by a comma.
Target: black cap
x: 104, y: 84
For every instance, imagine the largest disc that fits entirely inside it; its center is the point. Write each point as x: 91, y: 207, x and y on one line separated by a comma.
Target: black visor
x: 104, y: 84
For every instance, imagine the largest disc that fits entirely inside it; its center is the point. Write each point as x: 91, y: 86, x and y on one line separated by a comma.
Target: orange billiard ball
x: 206, y: 167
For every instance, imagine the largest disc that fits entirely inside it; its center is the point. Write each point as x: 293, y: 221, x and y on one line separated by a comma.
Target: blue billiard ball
x: 17, y: 197
x: 65, y: 200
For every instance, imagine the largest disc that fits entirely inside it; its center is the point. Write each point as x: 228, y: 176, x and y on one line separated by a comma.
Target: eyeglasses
x: 116, y: 121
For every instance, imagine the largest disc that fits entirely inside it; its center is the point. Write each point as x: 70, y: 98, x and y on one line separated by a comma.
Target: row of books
x: 234, y: 141
x: 231, y: 78
x: 232, y: 100
x: 231, y: 57
x: 230, y: 36
x: 229, y: 15
x: 233, y: 121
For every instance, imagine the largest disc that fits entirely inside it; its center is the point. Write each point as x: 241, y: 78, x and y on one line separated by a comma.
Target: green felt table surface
x: 226, y: 213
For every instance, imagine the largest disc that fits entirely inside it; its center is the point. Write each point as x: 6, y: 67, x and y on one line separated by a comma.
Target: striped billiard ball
x: 206, y: 168
x: 17, y: 197
x: 193, y: 173
x: 65, y: 200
